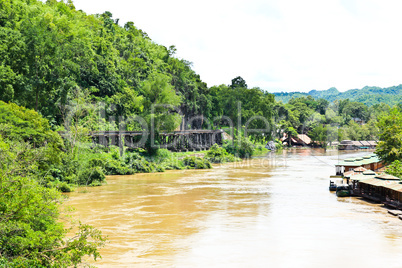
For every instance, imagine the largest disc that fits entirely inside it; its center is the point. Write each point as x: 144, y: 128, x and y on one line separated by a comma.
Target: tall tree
x: 238, y: 82
x: 389, y: 148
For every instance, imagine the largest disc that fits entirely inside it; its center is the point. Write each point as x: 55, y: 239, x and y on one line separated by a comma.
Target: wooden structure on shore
x: 385, y: 189
x: 191, y: 139
x: 300, y: 140
x: 356, y: 145
x: 176, y: 141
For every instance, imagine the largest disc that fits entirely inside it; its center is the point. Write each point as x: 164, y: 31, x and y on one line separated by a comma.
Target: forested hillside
x: 86, y: 72
x: 367, y: 95
x: 51, y: 54
x: 63, y: 72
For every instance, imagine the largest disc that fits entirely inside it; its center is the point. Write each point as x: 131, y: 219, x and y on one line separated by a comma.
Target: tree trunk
x: 36, y: 100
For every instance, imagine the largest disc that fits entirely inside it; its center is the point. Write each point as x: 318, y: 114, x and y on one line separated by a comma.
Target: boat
x: 332, y: 186
x: 343, y: 190
x: 395, y: 212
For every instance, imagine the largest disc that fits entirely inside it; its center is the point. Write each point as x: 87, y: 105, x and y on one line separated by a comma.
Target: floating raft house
x: 371, y: 162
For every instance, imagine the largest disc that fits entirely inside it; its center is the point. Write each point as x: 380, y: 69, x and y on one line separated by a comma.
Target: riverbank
x: 269, y: 210
x: 97, y: 162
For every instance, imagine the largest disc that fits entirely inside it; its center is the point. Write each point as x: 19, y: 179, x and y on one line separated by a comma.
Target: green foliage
x: 303, y: 114
x: 238, y: 82
x: 32, y: 137
x: 162, y: 155
x: 194, y: 93
x: 48, y: 50
x: 60, y: 61
x: 320, y: 135
x: 287, y: 128
x: 26, y: 125
x: 368, y: 95
x: 217, y: 154
x: 278, y: 144
x: 64, y: 187
x: 172, y: 163
x: 259, y: 149
x: 91, y: 176
x: 252, y: 106
x: 241, y: 147
x: 389, y: 148
x: 159, y: 99
x: 193, y: 162
x: 395, y: 169
x: 32, y: 234
x: 342, y: 119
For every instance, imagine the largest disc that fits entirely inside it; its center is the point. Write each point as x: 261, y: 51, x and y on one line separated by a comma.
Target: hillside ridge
x: 369, y: 95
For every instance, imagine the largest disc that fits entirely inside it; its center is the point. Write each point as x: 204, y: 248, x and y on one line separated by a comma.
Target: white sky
x: 277, y: 45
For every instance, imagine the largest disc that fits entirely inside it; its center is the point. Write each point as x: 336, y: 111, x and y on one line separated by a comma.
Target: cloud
x: 283, y: 45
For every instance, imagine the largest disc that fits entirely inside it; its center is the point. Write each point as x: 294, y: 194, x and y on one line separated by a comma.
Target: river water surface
x: 274, y: 211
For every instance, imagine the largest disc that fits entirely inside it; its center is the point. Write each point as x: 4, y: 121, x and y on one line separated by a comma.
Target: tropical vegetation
x: 64, y: 73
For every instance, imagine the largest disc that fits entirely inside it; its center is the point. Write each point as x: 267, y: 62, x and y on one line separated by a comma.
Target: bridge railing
x: 177, y: 140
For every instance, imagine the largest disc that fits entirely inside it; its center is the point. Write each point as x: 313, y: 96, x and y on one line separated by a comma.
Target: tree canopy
x: 389, y: 148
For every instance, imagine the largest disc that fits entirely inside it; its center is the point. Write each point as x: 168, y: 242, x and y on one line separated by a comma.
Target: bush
x: 97, y: 162
x: 196, y: 162
x: 130, y: 157
x: 260, y: 150
x: 278, y: 144
x: 91, y: 175
x: 117, y: 167
x: 217, y: 154
x: 162, y: 155
x: 242, y: 147
x: 173, y: 164
x: 142, y: 166
x: 64, y: 187
x: 32, y: 232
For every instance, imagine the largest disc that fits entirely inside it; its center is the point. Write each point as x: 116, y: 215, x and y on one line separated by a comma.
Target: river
x: 273, y: 211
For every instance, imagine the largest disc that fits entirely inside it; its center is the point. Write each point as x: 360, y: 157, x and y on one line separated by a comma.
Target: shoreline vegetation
x: 36, y: 165
x: 62, y: 70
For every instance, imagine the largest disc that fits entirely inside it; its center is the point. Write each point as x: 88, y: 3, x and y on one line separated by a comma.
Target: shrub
x: 130, y: 157
x: 196, y: 162
x: 260, y: 150
x: 97, y: 162
x: 117, y: 167
x: 32, y: 232
x: 142, y: 166
x: 91, y: 175
x: 162, y: 155
x: 242, y: 147
x: 64, y: 187
x: 217, y: 154
x: 278, y: 144
x: 173, y: 164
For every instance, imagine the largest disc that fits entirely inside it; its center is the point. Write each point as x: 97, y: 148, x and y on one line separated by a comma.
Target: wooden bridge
x: 176, y: 141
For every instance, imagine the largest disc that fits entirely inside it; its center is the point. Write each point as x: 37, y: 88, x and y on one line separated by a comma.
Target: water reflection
x: 274, y: 211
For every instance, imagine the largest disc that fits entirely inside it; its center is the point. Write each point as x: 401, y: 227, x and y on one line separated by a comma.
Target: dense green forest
x: 86, y: 72
x: 367, y: 95
x: 82, y: 73
x: 64, y: 70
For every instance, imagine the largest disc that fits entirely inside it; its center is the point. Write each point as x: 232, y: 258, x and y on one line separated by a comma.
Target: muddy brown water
x: 274, y: 211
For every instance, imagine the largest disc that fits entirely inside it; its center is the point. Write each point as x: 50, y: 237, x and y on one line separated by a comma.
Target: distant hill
x: 366, y: 95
